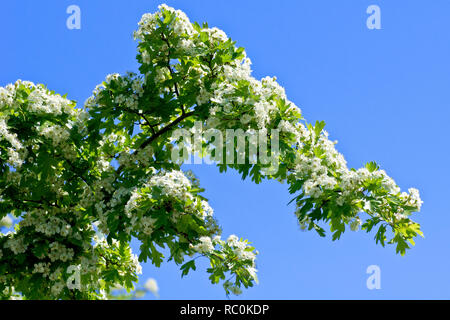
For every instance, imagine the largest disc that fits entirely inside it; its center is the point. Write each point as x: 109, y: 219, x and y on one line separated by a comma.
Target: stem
x: 159, y: 133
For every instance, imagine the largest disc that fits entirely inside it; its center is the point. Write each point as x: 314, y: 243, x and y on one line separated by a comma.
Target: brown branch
x: 159, y: 133
x: 165, y: 129
x: 168, y: 63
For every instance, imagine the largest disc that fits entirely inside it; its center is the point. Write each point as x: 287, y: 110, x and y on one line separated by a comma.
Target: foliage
x: 84, y: 181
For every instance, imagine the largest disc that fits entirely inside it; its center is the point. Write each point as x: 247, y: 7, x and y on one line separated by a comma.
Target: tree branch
x: 165, y: 129
x: 159, y: 133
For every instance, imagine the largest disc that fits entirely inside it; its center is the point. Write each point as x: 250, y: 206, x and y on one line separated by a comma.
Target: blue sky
x: 384, y: 94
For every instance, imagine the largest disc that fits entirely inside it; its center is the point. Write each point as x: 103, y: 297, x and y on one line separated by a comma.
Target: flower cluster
x: 234, y: 256
x: 43, y: 183
x: 229, y: 97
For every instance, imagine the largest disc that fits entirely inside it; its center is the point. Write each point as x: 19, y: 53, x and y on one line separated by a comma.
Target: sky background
x: 384, y: 94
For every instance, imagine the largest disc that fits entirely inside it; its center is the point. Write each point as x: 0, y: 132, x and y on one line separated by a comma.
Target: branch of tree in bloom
x: 82, y: 182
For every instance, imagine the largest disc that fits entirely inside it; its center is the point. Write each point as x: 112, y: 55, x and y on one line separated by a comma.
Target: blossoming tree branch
x: 82, y: 182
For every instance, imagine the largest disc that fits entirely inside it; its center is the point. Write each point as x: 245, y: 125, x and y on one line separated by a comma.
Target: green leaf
x: 402, y: 245
x: 186, y: 267
x: 372, y: 166
x: 380, y: 235
x: 319, y: 127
